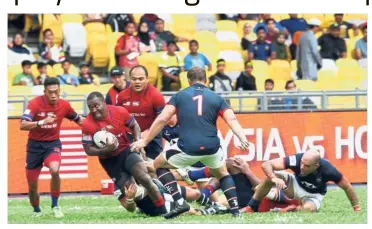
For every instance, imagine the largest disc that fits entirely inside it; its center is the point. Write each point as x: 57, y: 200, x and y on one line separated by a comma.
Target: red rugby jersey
x: 117, y: 121
x: 38, y: 109
x: 144, y: 106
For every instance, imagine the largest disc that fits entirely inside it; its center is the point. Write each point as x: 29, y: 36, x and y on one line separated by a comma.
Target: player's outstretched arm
x: 350, y: 193
x: 160, y: 122
x: 29, y: 125
x: 230, y: 119
x: 268, y: 168
x: 136, y: 131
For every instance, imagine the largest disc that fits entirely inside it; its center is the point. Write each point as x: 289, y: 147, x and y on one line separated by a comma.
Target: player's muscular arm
x: 230, y: 119
x: 25, y: 125
x: 29, y: 125
x: 165, y: 73
x: 350, y: 193
x: 269, y: 166
x: 160, y: 122
x: 136, y: 131
x: 92, y: 150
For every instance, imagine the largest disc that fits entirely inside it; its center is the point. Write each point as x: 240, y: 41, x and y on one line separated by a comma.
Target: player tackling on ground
x: 43, y: 118
x: 119, y: 163
x: 308, y: 183
x: 197, y: 109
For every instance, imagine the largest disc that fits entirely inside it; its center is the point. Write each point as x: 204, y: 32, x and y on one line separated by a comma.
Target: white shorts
x: 179, y: 159
x: 300, y: 193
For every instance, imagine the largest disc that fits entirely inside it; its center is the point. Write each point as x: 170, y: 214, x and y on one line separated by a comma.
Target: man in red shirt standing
x: 145, y: 103
x: 118, y: 79
x: 116, y: 158
x: 127, y: 48
x: 43, y: 118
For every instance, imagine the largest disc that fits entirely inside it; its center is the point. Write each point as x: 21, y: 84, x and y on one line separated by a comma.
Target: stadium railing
x: 241, y: 101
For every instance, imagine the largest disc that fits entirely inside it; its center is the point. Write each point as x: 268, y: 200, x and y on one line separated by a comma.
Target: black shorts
x: 244, y: 189
x: 38, y: 151
x: 119, y: 167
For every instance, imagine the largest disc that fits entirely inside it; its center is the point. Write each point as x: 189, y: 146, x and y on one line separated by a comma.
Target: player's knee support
x: 33, y: 174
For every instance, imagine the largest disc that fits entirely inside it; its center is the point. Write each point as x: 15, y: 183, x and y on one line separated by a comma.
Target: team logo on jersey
x: 135, y: 103
x: 292, y: 160
x: 50, y: 113
x: 57, y: 150
x: 87, y: 138
x: 109, y: 127
x: 41, y: 114
x: 126, y: 104
x: 27, y: 112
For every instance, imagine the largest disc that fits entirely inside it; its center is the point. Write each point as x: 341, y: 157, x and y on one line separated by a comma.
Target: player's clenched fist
x: 49, y: 120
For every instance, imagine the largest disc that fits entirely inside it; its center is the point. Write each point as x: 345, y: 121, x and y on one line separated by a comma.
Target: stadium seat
x: 350, y: 74
x: 206, y: 37
x: 242, y: 23
x: 279, y: 85
x: 35, y: 71
x: 98, y: 51
x: 104, y: 88
x: 329, y: 64
x: 72, y: 18
x: 227, y: 36
x: 50, y: 21
x: 19, y: 90
x: 184, y: 81
x: 348, y: 17
x: 206, y: 26
x: 352, y: 34
x: 95, y: 27
x: 184, y: 25
x: 206, y: 17
x: 324, y: 74
x: 137, y: 18
x: 112, y: 41
x: 57, y: 68
x: 305, y: 85
x: 227, y: 25
x: 232, y: 66
x: 294, y: 69
x: 75, y: 40
x: 363, y: 63
x: 280, y: 70
x: 229, y: 45
x: 167, y: 18
x: 247, y: 104
x: 350, y: 47
x: 150, y: 61
x: 346, y: 63
x: 184, y: 46
x: 230, y: 55
x: 364, y: 74
x: 260, y: 69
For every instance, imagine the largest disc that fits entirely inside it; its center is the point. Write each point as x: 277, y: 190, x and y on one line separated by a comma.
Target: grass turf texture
x: 335, y: 209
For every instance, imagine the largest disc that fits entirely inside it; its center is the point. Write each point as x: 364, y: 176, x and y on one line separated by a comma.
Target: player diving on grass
x: 308, y: 184
x: 43, y: 118
x: 118, y: 161
x: 197, y: 108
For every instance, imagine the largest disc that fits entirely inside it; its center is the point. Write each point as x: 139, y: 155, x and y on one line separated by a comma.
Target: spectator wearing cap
x: 246, y: 81
x: 261, y: 49
x: 68, y: 78
x: 171, y: 65
x: 294, y: 24
x: 128, y: 48
x: 344, y: 26
x: 195, y: 58
x: 85, y: 77
x: 248, y: 36
x: 361, y: 45
x: 42, y: 69
x: 331, y: 45
x: 120, y: 83
x: 25, y: 77
x: 307, y: 54
x: 162, y: 36
x: 262, y: 24
x: 220, y: 82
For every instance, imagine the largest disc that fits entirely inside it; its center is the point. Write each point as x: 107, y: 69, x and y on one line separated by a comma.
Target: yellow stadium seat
x: 363, y: 74
x: 260, y: 83
x: 184, y: 80
x: 206, y: 37
x: 305, y: 85
x: 96, y: 80
x: 108, y: 29
x: 228, y: 45
x: 104, y: 88
x: 246, y: 104
x: 87, y: 89
x: 50, y: 21
x: 184, y: 46
x: 15, y: 69
x: 98, y: 51
x: 280, y: 70
x: 355, y: 16
x: 137, y: 18
x: 279, y: 85
x: 357, y: 36
x: 350, y: 47
x: 350, y: 74
x: 20, y: 90
x: 112, y: 41
x: 95, y: 27
x: 35, y: 71
x: 57, y: 69
x: 346, y: 63
x: 294, y: 66
x: 324, y: 74
x: 151, y: 62
x: 234, y: 66
x: 244, y: 54
x: 260, y: 69
x: 341, y: 102
x: 227, y: 25
x: 72, y: 18
x: 184, y: 25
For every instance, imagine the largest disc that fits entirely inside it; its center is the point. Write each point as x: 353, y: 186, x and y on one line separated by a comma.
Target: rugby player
x: 120, y: 83
x: 43, y: 118
x: 308, y: 184
x: 116, y: 158
x: 144, y: 102
x: 197, y: 109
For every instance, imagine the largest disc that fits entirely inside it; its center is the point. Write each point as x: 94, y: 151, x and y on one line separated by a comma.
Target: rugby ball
x: 103, y: 138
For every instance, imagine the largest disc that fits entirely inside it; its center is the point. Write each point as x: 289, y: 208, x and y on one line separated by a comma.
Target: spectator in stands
x: 272, y: 102
x: 344, y: 26
x: 220, y: 82
x: 294, y: 24
x: 171, y: 65
x: 248, y: 36
x: 120, y: 83
x: 233, y: 17
x: 90, y: 18
x: 361, y: 45
x: 253, y: 17
x: 331, y: 45
x: 262, y: 24
x: 281, y: 49
x: 269, y: 85
x: 147, y: 43
x: 18, y: 51
x: 195, y: 58
x: 128, y: 49
x: 42, y: 69
x: 272, y: 31
x: 49, y: 52
x: 118, y: 22
x: 246, y: 81
x: 85, y: 77
x: 307, y: 54
x: 150, y: 19
x: 292, y: 103
x: 67, y: 78
x: 25, y: 78
x: 261, y: 49
x: 162, y: 37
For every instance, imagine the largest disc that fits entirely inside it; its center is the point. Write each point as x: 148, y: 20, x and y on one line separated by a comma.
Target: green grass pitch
x: 336, y: 209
